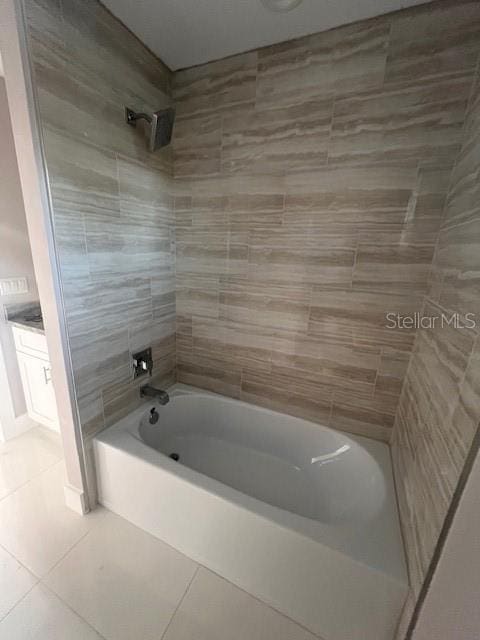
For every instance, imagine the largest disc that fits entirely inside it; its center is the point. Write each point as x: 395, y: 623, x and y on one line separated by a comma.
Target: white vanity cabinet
x: 35, y: 371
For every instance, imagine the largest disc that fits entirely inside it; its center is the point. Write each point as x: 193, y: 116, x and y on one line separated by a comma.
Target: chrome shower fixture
x: 161, y: 125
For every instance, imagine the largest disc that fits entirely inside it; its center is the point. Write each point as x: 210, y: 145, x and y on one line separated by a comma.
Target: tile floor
x: 64, y: 577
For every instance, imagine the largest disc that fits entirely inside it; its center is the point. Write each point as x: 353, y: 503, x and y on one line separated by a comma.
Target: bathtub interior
x: 287, y: 463
x: 356, y: 505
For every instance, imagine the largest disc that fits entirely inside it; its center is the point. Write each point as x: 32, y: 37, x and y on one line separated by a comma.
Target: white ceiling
x: 184, y: 33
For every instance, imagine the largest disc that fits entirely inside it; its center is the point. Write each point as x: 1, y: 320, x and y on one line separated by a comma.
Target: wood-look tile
x: 92, y: 306
x: 201, y: 251
x: 342, y: 366
x: 184, y: 324
x: 46, y: 36
x: 463, y: 196
x: 344, y: 196
x: 448, y: 349
x: 143, y: 187
x: 301, y: 66
x: 90, y: 410
x: 198, y: 145
x: 112, y: 201
x: 342, y: 60
x: 395, y: 268
x: 45, y: 24
x: 466, y: 414
x: 142, y: 335
x: 414, y: 122
x: 360, y: 317
x: 243, y: 344
x: 215, y: 86
x: 163, y: 352
x: 288, y: 257
x: 182, y: 209
x: 89, y: 25
x: 197, y: 295
x: 201, y: 212
x: 455, y: 266
x: 163, y: 298
x: 291, y: 137
x: 425, y: 209
x: 426, y: 42
x: 83, y: 176
x: 432, y: 434
x: 275, y: 306
x: 457, y: 257
x: 70, y: 239
x: 231, y: 185
x: 411, y: 526
x: 391, y: 372
x: 99, y: 359
x: 83, y: 113
x: 360, y: 54
x: 123, y: 397
x: 362, y: 413
x: 147, y: 244
x: 290, y: 392
x: 93, y: 34
x: 255, y: 211
x: 217, y: 374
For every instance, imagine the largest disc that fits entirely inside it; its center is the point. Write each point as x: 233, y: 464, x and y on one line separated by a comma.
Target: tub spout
x: 150, y: 392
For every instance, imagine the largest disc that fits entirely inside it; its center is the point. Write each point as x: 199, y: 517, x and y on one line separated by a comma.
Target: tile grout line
x: 34, y: 477
x: 19, y: 561
x: 55, y: 565
x: 65, y: 603
x: 181, y: 601
x: 202, y: 566
x: 36, y: 583
x: 19, y: 601
x: 260, y: 601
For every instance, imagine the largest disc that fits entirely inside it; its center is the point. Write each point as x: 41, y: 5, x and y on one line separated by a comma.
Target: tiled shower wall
x: 439, y: 410
x: 311, y: 177
x: 112, y: 199
x: 310, y: 180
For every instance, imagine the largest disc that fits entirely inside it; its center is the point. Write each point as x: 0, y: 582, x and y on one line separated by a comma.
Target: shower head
x: 161, y: 125
x: 161, y: 128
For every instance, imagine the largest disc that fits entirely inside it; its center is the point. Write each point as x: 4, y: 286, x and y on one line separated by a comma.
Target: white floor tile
x: 42, y: 616
x: 124, y: 582
x: 15, y: 582
x: 214, y: 609
x: 23, y: 458
x: 36, y: 526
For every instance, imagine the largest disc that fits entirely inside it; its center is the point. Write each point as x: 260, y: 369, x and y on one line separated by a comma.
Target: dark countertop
x: 36, y: 327
x: 26, y: 316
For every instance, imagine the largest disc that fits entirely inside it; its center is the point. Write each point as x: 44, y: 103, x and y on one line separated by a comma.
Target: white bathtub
x: 297, y: 514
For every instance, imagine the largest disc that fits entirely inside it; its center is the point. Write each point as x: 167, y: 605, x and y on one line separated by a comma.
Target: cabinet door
x: 38, y: 388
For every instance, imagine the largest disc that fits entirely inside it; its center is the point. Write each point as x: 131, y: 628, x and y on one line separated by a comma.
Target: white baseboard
x: 75, y: 500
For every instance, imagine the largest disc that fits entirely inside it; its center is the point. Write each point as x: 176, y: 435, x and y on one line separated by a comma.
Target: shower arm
x: 161, y: 125
x: 132, y: 117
